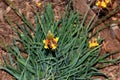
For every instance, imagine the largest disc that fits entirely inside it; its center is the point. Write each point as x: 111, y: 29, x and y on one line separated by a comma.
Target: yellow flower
x: 102, y: 3
x: 93, y: 43
x: 50, y: 42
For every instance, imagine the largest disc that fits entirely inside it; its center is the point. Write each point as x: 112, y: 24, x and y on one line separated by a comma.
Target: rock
x: 116, y: 31
x: 81, y: 6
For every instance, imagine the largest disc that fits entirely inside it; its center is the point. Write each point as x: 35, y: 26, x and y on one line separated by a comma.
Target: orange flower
x: 50, y: 42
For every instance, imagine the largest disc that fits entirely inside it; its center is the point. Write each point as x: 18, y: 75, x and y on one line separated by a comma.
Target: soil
x: 111, y: 36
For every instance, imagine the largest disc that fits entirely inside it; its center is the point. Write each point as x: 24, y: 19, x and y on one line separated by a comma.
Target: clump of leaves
x: 72, y: 59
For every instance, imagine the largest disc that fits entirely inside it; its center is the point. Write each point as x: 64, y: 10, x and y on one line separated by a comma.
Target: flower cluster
x: 50, y: 42
x: 93, y: 43
x: 102, y: 3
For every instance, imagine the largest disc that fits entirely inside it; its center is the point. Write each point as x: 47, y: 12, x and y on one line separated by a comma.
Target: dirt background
x: 111, y: 36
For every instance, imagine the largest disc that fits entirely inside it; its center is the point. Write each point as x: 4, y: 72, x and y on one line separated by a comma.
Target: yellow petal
x: 93, y: 45
x: 53, y: 46
x: 44, y: 41
x: 90, y: 46
x: 103, y: 4
x: 56, y: 39
x: 98, y: 3
x: 46, y: 47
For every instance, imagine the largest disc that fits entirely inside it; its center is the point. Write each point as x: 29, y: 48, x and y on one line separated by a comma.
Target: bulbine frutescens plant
x: 56, y: 50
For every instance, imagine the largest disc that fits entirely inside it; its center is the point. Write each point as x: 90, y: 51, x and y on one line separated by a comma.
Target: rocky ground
x: 111, y: 35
